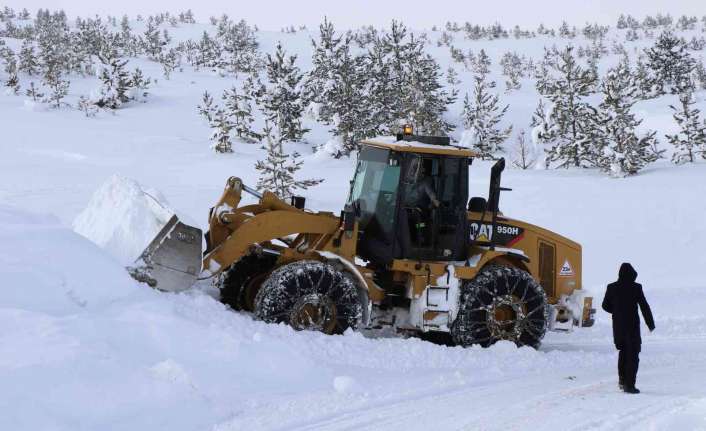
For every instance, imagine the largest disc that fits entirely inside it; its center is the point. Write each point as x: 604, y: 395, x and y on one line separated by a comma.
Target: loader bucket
x: 172, y: 261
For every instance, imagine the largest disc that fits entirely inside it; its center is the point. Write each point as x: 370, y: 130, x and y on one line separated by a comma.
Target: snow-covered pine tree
x: 452, y: 78
x: 671, y: 63
x: 239, y: 111
x: 541, y: 128
x: 282, y: 104
x: 700, y: 75
x: 33, y: 92
x: 278, y: 169
x: 427, y: 98
x: 319, y: 82
x: 348, y: 101
x: 170, y: 60
x: 512, y: 69
x: 570, y: 116
x: 645, y: 80
x: 691, y: 139
x: 404, y: 84
x: 207, y: 109
x: 620, y: 150
x: 57, y: 86
x: 13, y: 81
x: 239, y: 45
x: 87, y: 107
x: 139, y: 84
x: 151, y: 41
x: 396, y: 47
x: 622, y: 22
x: 523, y: 153
x: 481, y: 116
x: 209, y: 52
x: 28, y: 62
x: 115, y: 88
x: 481, y: 65
x: 221, y: 127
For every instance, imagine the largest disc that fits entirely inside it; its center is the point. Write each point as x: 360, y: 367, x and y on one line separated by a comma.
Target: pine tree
x: 139, y: 85
x: 87, y: 107
x: 524, y: 155
x: 28, y: 59
x: 58, y: 88
x: 350, y: 119
x: 220, y: 136
x: 209, y: 52
x: 700, y: 75
x: 207, y: 109
x: 645, y: 80
x: 481, y: 116
x: 540, y: 123
x: 170, y: 61
x: 33, y: 92
x: 239, y: 47
x: 427, y: 97
x: 151, y: 42
x: 512, y: 69
x: 404, y: 84
x: 239, y: 112
x: 481, y: 65
x: 282, y: 100
x: 452, y: 78
x: 115, y: 88
x: 318, y: 83
x: 671, y: 63
x: 277, y: 171
x: 570, y: 116
x: 691, y: 139
x: 621, y: 151
x: 13, y: 81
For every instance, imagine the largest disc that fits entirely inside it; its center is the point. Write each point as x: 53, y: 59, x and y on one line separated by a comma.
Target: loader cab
x: 410, y: 204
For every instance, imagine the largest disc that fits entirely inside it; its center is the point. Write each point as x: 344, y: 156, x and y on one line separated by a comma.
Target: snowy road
x: 674, y: 397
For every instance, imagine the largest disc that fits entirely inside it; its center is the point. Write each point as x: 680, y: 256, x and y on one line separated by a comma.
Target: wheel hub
x: 505, y: 316
x: 314, y: 312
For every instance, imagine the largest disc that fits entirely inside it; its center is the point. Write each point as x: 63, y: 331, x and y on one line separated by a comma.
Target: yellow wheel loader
x: 410, y: 251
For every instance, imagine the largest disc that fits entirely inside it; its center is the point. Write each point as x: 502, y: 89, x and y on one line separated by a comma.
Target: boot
x: 631, y: 390
x: 621, y: 384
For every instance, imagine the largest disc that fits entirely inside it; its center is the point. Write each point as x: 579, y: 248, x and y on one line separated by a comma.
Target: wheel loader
x: 409, y: 252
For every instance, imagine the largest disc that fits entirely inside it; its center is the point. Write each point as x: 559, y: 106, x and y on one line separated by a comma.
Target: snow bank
x: 123, y: 217
x: 47, y: 268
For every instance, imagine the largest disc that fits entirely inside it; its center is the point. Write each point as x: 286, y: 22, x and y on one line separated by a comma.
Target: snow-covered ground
x: 83, y: 347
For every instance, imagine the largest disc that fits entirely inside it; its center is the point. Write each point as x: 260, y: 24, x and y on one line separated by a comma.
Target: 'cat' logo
x: 504, y: 234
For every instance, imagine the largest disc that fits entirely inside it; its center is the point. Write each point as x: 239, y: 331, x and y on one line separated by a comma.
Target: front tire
x: 501, y: 303
x: 239, y: 283
x: 310, y: 295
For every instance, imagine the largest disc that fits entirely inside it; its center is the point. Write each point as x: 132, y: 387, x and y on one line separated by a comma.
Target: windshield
x: 374, y: 188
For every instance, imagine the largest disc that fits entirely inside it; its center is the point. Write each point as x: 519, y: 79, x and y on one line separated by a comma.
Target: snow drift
x: 47, y: 268
x: 123, y: 217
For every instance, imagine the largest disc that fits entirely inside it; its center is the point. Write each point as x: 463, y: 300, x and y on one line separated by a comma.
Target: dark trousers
x: 628, y: 362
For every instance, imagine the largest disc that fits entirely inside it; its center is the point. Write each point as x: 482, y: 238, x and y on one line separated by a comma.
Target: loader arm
x: 234, y: 232
x: 313, y: 232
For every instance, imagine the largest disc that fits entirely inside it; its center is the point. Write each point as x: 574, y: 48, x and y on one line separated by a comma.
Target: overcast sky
x: 272, y: 14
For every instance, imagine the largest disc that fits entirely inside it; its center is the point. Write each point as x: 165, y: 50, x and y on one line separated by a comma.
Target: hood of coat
x: 627, y: 273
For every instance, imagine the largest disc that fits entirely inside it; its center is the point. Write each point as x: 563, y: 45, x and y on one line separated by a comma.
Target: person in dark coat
x: 621, y: 300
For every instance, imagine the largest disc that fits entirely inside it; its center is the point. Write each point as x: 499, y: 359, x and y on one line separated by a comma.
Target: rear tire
x: 501, y: 303
x: 240, y: 282
x: 310, y: 295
